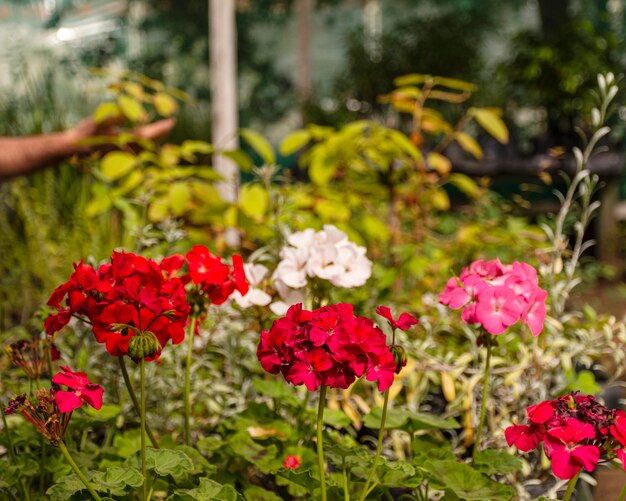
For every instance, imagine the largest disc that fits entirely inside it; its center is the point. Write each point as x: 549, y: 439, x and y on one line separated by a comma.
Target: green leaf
x: 117, y: 164
x: 331, y: 211
x: 276, y: 389
x: 164, y: 104
x: 491, y: 461
x: 241, y: 158
x: 440, y: 199
x: 336, y: 418
x: 396, y: 419
x: 168, y: 462
x: 321, y: 169
x: 179, y: 197
x: 585, y: 382
x: 468, y: 483
x: 405, y: 144
x: 259, y: 144
x: 254, y: 200
x: 131, y: 108
x: 208, y: 490
x: 453, y: 83
x: 464, y: 183
x: 65, y: 488
x: 260, y: 494
x: 97, y: 205
x: 190, y: 147
x: 420, y: 421
x: 294, y: 141
x: 489, y: 119
x: 469, y: 144
x: 106, y: 111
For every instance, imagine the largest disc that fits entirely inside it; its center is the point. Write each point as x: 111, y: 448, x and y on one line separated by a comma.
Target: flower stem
x: 572, y: 484
x: 190, y: 336
x: 142, y: 383
x: 379, y: 447
x: 79, y: 473
x: 346, y: 489
x: 320, y: 445
x: 133, y: 397
x: 483, y: 406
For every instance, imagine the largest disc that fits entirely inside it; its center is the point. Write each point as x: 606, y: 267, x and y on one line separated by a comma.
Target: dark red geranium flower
x: 329, y: 346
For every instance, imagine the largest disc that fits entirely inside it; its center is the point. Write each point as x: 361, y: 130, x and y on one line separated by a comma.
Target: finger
x: 155, y: 130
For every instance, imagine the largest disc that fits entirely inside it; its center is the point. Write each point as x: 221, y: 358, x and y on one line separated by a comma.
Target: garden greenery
x: 327, y: 364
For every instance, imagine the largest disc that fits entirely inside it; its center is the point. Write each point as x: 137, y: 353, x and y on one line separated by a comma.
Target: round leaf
x: 117, y: 164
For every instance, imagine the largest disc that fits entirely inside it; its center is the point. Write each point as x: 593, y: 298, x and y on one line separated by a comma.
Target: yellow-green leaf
x: 131, y: 108
x: 439, y: 199
x: 294, y: 141
x: 259, y: 144
x: 405, y: 144
x: 117, y: 164
x: 453, y: 83
x: 241, y: 158
x: 98, y: 204
x: 332, y: 211
x: 321, y: 169
x: 179, y: 197
x: 106, y: 111
x: 469, y: 144
x: 440, y: 163
x: 134, y: 89
x: 254, y: 201
x: 465, y: 183
x: 410, y: 79
x: 165, y: 104
x: 489, y: 119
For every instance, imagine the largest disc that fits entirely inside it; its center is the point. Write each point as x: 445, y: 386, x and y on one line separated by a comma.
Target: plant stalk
x: 572, y: 484
x: 144, y: 470
x: 379, y: 447
x: 133, y: 397
x: 483, y: 406
x: 190, y: 334
x: 79, y: 473
x: 320, y: 445
x: 12, y: 455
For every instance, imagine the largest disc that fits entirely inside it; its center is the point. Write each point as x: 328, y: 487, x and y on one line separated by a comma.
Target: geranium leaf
x: 468, y: 483
x: 294, y: 142
x: 168, y: 462
x: 492, y: 461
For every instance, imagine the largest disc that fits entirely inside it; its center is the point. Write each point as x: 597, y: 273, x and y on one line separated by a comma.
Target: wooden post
x: 303, y: 64
x: 225, y: 120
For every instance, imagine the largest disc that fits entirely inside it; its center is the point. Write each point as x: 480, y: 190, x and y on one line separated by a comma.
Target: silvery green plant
x: 560, y: 272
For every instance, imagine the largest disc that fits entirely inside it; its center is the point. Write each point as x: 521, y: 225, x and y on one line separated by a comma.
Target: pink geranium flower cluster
x: 497, y: 295
x: 328, y: 346
x: 576, y: 430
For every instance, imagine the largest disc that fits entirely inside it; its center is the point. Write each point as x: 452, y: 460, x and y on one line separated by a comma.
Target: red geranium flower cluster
x: 497, y: 295
x: 328, y: 346
x: 213, y: 280
x: 130, y: 297
x: 575, y: 430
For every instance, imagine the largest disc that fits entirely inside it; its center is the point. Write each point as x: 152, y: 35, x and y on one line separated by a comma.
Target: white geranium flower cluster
x: 326, y: 254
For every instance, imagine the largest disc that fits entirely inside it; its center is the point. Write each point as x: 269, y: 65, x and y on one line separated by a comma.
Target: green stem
x: 483, y: 406
x: 622, y: 494
x: 133, y: 397
x: 190, y: 335
x: 320, y: 445
x: 572, y: 484
x: 379, y: 447
x: 79, y: 473
x: 346, y: 489
x: 144, y: 470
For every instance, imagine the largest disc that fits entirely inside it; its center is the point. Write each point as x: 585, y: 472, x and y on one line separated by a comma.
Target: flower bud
x: 399, y: 355
x: 143, y: 346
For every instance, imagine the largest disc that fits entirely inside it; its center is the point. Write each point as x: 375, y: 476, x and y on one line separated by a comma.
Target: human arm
x: 24, y: 155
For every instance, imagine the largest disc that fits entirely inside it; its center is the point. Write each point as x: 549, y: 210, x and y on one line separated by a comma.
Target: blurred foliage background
x: 535, y: 59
